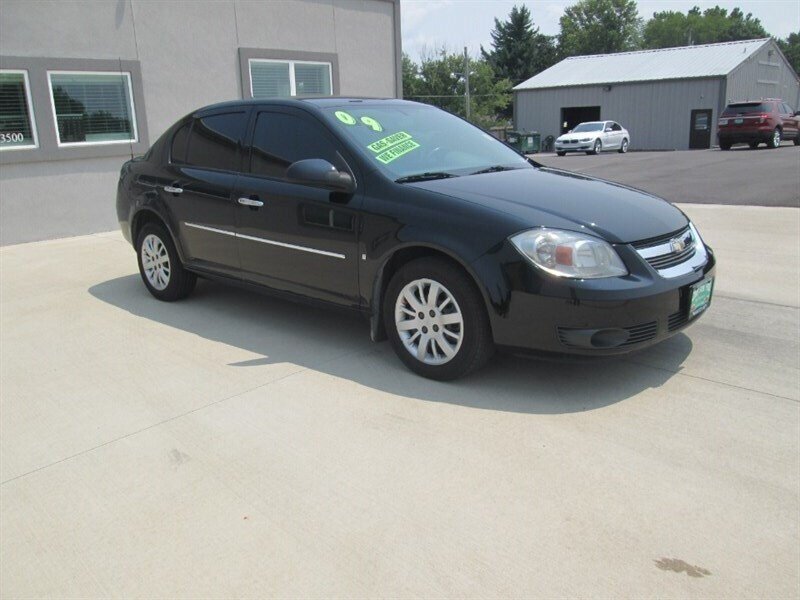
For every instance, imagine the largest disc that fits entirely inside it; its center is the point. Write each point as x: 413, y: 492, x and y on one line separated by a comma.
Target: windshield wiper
x: 430, y: 175
x: 493, y: 169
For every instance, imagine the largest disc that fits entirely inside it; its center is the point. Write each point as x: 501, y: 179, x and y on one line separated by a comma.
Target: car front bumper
x: 590, y: 317
x: 580, y: 147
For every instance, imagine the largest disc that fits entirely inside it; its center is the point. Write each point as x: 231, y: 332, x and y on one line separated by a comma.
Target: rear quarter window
x: 180, y: 144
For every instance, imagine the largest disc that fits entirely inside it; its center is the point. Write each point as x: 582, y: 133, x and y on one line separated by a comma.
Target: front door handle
x: 173, y: 190
x: 251, y: 202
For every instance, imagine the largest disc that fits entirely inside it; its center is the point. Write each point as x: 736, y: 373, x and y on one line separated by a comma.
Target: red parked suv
x: 768, y: 120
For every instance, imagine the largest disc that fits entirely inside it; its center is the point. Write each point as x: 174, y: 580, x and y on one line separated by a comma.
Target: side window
x: 180, y: 143
x: 281, y: 139
x: 215, y: 140
x: 616, y: 127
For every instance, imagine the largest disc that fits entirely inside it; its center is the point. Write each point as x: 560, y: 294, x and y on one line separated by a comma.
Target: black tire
x: 477, y: 345
x: 623, y: 147
x: 724, y: 145
x: 775, y: 140
x: 797, y: 139
x: 753, y: 145
x: 597, y: 148
x: 561, y: 153
x: 180, y: 282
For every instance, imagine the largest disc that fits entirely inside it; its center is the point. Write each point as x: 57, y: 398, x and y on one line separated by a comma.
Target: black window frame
x: 240, y: 147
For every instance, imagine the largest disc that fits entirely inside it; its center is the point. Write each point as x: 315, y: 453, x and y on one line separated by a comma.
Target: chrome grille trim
x: 660, y: 253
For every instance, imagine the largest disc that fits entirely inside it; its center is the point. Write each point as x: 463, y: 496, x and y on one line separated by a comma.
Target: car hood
x: 543, y: 197
x: 579, y: 136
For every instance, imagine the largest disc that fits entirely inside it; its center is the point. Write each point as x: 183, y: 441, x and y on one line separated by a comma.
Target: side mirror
x: 318, y: 172
x: 609, y: 129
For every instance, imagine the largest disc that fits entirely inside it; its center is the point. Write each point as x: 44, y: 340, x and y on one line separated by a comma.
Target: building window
x: 276, y: 78
x: 17, y: 126
x: 92, y: 108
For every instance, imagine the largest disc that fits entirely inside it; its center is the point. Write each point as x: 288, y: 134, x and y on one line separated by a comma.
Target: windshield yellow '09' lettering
x: 345, y: 117
x: 397, y: 151
x: 389, y: 140
x: 371, y: 123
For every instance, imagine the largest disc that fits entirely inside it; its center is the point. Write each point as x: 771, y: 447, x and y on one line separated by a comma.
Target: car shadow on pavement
x: 337, y: 343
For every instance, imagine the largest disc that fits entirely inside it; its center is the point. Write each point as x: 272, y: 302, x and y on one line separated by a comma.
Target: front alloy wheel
x: 598, y: 146
x: 436, y: 319
x: 429, y: 321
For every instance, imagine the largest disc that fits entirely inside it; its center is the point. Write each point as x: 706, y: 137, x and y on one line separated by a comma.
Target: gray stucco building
x: 668, y: 99
x: 83, y: 84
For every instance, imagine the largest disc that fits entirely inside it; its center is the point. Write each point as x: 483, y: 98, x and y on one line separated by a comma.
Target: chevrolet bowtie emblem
x: 678, y: 244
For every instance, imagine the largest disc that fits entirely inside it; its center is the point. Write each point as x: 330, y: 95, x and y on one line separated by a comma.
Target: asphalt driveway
x: 235, y: 445
x: 740, y: 176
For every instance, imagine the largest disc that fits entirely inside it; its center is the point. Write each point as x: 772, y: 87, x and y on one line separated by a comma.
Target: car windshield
x: 407, y: 140
x: 589, y: 127
x: 746, y: 108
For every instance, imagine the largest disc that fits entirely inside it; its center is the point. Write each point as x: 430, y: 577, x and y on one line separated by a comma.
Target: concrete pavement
x: 237, y: 445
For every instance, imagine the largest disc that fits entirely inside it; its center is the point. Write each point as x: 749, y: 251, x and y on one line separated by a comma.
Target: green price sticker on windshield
x: 389, y: 140
x: 345, y: 117
x: 397, y: 151
x: 371, y: 123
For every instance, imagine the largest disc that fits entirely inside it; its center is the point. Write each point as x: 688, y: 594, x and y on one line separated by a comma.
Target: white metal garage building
x: 668, y: 99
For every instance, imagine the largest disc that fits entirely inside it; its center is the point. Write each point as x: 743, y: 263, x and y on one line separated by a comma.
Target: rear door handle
x: 173, y: 190
x: 251, y: 202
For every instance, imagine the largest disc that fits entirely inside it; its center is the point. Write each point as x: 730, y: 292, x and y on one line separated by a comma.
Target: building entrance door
x: 700, y: 134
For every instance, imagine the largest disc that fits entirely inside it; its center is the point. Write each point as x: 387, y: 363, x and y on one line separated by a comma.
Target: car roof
x: 318, y: 102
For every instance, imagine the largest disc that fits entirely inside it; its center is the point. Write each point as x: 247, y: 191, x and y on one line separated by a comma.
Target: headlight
x: 586, y: 139
x: 569, y: 254
x: 559, y: 139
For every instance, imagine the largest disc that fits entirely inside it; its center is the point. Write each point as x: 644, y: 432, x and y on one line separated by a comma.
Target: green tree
x: 439, y: 80
x: 669, y: 29
x: 791, y: 50
x: 599, y: 27
x: 518, y: 51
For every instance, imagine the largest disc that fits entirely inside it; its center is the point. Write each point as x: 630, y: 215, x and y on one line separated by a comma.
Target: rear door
x: 205, y: 161
x: 790, y: 122
x: 293, y: 237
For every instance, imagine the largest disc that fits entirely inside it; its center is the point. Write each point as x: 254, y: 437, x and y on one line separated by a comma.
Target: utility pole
x: 466, y: 81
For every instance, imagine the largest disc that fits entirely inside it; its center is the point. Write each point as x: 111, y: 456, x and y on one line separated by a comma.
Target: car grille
x: 641, y: 333
x: 661, y: 254
x: 677, y: 320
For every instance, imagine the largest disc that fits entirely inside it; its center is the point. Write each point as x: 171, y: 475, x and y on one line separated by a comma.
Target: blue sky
x: 458, y: 23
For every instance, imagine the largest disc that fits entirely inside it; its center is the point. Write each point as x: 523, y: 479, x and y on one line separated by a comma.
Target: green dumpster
x: 527, y: 143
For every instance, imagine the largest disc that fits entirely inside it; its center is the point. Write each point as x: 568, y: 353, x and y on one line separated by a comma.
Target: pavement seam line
x: 751, y: 301
x: 725, y: 383
x: 176, y: 417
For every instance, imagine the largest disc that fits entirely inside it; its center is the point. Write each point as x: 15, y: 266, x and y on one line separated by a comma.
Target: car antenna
x: 125, y: 103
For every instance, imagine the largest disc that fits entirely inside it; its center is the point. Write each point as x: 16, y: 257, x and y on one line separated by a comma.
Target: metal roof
x: 709, y: 60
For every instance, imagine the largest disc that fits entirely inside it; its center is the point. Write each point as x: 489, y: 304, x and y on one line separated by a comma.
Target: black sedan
x: 449, y: 241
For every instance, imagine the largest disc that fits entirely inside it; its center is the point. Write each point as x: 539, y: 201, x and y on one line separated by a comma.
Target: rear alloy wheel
x: 436, y: 320
x: 623, y: 147
x: 598, y: 146
x: 775, y: 140
x: 159, y: 265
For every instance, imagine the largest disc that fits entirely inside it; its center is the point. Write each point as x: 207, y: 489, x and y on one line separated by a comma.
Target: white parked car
x: 594, y: 137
